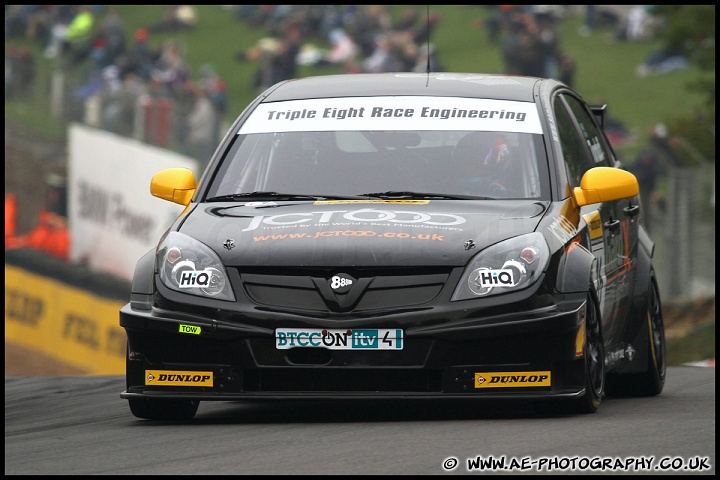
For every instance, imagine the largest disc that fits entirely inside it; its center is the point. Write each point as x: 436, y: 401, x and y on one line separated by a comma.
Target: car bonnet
x: 358, y: 233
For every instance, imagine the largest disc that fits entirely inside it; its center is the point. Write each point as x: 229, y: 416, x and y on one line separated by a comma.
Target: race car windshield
x: 436, y: 163
x: 433, y: 146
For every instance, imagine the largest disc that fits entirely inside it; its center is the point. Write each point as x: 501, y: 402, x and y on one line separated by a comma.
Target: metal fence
x: 681, y: 221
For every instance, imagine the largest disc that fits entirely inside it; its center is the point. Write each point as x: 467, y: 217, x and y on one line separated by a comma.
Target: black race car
x: 407, y: 236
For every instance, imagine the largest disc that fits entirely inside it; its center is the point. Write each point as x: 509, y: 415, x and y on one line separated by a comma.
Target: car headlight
x: 507, y: 266
x: 191, y: 267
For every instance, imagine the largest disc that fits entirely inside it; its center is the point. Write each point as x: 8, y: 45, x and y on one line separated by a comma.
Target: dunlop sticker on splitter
x: 181, y: 378
x: 512, y: 379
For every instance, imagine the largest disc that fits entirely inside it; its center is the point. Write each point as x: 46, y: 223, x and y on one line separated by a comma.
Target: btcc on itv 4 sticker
x: 339, y: 339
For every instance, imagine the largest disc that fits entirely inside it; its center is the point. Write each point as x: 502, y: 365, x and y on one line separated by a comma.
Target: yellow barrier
x: 63, y: 322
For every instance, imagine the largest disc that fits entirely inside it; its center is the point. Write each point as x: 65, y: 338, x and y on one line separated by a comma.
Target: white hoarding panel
x: 112, y: 217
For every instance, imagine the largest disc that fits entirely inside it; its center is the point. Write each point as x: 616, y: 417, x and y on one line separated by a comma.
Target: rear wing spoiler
x: 599, y: 111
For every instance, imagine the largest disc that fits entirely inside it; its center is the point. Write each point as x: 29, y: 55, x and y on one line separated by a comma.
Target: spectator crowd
x: 361, y: 39
x: 126, y: 83
x: 131, y: 84
x: 120, y: 81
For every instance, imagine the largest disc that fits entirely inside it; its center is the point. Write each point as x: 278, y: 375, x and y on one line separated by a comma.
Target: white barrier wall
x: 112, y: 218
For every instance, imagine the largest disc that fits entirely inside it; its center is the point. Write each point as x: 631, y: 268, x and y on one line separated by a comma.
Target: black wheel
x: 155, y: 409
x: 654, y: 376
x: 651, y: 380
x: 594, y: 356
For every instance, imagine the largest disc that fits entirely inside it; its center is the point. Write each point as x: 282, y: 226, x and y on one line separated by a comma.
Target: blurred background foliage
x: 692, y: 28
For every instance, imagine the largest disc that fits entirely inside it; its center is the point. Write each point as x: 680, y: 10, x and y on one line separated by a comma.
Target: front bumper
x: 528, y: 355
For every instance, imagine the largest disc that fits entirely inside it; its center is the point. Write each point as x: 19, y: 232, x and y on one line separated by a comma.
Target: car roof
x: 471, y: 85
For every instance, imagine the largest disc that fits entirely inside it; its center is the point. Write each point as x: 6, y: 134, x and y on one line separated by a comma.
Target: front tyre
x: 594, y: 359
x: 155, y: 409
x: 655, y: 373
x: 651, y: 380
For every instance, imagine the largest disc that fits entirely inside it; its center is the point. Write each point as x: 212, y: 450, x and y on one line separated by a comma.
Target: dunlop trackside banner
x: 63, y: 322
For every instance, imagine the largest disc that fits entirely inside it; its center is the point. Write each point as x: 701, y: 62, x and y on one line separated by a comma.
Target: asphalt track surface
x: 79, y: 425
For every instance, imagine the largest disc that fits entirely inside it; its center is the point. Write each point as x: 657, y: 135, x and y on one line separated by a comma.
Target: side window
x: 574, y: 149
x: 593, y: 136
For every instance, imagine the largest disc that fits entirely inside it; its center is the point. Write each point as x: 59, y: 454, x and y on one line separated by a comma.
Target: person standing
x: 216, y: 90
x: 201, y: 121
x: 647, y: 170
x: 77, y: 38
x: 567, y: 69
x: 382, y: 59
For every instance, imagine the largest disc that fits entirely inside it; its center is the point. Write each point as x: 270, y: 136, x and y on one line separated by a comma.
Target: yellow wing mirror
x: 605, y: 184
x: 175, y: 185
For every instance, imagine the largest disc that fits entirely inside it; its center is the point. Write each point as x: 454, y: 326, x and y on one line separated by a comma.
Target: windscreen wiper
x: 398, y: 194
x: 277, y: 196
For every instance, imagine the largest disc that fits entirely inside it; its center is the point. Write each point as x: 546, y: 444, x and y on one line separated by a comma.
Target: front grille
x: 372, y: 290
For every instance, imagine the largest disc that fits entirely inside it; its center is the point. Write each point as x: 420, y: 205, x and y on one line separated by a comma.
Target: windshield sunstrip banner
x: 393, y: 113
